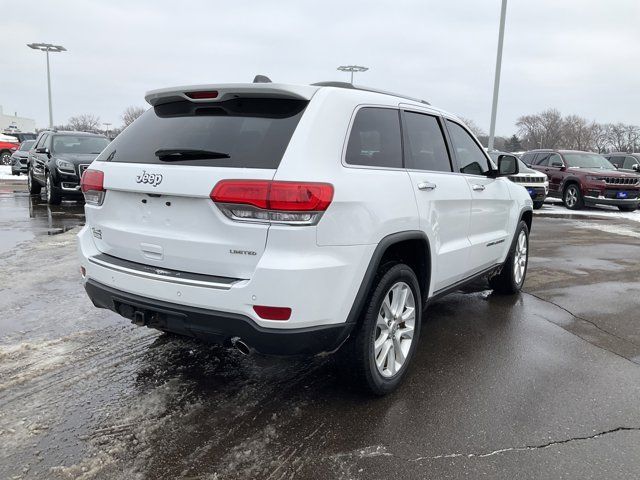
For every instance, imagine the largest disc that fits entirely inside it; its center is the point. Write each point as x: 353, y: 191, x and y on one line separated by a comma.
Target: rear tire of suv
x: 572, y: 197
x: 626, y: 208
x: 537, y: 205
x: 381, y: 350
x: 53, y: 196
x: 514, y: 270
x: 33, y: 186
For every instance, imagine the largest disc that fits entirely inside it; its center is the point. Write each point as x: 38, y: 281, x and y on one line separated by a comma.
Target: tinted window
x: 43, y: 140
x: 471, y: 158
x: 554, y: 158
x: 629, y: 162
x: 78, y: 144
x: 542, y: 159
x: 375, y: 138
x: 527, y: 158
x: 616, y: 160
x: 26, y: 145
x: 426, y: 148
x: 242, y: 132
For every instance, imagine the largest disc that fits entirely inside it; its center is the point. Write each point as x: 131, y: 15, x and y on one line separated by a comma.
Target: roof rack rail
x: 366, y: 89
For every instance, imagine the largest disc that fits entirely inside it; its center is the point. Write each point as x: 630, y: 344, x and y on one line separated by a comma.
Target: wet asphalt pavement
x: 542, y: 385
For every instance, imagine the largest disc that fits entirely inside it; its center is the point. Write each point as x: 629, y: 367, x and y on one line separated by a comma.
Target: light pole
x: 47, y: 47
x: 352, y: 68
x: 496, y: 80
x: 107, y: 124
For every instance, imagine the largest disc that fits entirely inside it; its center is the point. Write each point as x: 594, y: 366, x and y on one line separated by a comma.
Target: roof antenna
x: 261, y: 79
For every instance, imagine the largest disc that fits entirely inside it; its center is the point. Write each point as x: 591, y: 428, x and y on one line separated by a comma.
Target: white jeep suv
x: 297, y: 220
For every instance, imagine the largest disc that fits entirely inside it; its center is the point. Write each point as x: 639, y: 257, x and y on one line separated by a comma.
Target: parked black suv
x: 57, y: 161
x: 625, y: 162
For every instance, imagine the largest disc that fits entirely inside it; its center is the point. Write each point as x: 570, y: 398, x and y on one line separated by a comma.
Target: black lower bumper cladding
x: 217, y: 327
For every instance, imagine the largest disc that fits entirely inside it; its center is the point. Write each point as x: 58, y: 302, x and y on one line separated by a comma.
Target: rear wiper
x: 176, y: 155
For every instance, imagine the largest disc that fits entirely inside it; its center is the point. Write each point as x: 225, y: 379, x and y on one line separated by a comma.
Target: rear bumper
x: 218, y: 327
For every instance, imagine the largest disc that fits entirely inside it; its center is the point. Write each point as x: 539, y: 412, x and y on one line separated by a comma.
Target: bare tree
x: 130, y: 114
x: 577, y: 133
x: 473, y: 126
x: 84, y: 123
x: 600, y: 136
x: 618, y: 138
x: 541, y: 130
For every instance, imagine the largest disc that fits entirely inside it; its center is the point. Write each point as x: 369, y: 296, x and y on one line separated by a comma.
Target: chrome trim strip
x: 162, y: 278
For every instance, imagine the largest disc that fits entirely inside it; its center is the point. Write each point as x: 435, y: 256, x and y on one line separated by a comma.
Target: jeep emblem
x: 153, y: 179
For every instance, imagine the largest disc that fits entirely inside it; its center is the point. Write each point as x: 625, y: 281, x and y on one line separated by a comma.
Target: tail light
x: 92, y: 185
x: 289, y: 203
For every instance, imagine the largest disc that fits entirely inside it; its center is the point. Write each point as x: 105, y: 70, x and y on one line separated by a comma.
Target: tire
x: 514, y: 270
x: 537, y: 205
x: 53, y: 196
x: 572, y: 197
x: 5, y: 157
x: 32, y: 184
x: 626, y: 208
x: 394, y: 280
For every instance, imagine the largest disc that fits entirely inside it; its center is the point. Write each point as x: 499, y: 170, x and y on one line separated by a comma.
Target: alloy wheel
x: 394, y: 329
x: 571, y: 197
x: 520, y: 258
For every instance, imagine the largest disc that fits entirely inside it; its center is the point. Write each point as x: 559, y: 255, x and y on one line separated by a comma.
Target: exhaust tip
x: 240, y: 346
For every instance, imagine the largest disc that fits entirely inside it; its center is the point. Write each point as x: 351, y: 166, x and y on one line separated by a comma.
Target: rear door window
x: 242, y: 132
x: 616, y: 160
x: 542, y: 159
x: 374, y: 140
x: 527, y: 158
x: 425, y: 147
x: 471, y: 158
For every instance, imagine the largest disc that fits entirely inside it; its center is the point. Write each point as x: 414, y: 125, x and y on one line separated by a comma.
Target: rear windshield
x: 242, y: 132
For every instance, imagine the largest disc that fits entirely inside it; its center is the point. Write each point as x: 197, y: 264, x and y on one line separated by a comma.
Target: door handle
x: 478, y: 188
x: 426, y: 186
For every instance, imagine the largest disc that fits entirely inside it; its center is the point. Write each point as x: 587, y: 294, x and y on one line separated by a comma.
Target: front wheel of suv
x: 52, y: 195
x: 33, y: 186
x: 573, y: 197
x: 514, y: 270
x: 381, y: 350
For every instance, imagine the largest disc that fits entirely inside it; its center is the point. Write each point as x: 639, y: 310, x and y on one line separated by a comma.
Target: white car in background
x: 536, y: 183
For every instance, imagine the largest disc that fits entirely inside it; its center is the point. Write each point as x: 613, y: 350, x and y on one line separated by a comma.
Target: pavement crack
x: 525, y: 448
x: 582, y: 318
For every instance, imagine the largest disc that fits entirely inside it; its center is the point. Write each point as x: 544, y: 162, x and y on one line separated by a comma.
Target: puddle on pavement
x: 24, y: 216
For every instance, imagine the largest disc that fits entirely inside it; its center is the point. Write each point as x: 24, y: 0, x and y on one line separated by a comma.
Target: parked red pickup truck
x: 8, y: 145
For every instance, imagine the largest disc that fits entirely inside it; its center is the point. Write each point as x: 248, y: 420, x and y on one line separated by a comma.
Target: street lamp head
x: 47, y: 47
x: 352, y: 68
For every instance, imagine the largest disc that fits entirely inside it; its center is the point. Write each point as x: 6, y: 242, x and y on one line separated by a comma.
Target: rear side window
x: 542, y: 159
x: 425, y: 147
x: 471, y: 158
x: 375, y: 138
x: 527, y: 158
x: 617, y: 161
x: 242, y: 132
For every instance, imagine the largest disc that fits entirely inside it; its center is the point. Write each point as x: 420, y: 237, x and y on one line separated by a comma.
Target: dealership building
x: 14, y: 122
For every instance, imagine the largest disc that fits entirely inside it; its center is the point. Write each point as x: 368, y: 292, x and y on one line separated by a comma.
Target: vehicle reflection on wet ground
x: 541, y: 385
x: 24, y: 216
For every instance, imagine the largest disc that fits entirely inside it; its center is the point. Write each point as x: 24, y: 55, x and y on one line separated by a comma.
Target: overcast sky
x: 580, y: 56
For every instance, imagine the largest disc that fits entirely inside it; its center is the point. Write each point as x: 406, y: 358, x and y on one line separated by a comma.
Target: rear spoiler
x: 221, y: 92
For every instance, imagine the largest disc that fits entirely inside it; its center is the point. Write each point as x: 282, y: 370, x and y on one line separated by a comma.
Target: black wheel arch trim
x: 374, y: 263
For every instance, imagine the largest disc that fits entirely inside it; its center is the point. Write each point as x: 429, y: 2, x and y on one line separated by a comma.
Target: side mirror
x: 507, y: 165
x: 44, y: 150
x: 557, y: 164
x: 636, y: 167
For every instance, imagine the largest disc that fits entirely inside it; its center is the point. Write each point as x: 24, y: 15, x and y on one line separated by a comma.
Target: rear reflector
x: 202, y: 95
x: 92, y: 186
x: 291, y: 203
x: 272, y: 313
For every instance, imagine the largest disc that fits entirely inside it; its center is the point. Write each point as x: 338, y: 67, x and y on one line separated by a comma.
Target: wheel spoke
x: 397, y: 348
x: 408, y: 314
x: 380, y: 341
x: 384, y: 353
x: 386, y: 308
x: 406, y: 332
x: 391, y: 359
